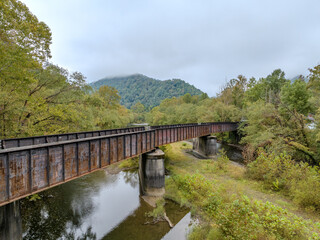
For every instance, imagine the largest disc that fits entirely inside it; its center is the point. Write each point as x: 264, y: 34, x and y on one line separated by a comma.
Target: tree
x: 314, y: 78
x: 233, y: 92
x: 21, y: 29
x: 273, y: 84
x: 139, y: 112
x: 24, y: 47
x: 187, y: 98
x: 295, y: 97
x: 110, y: 96
x: 267, y: 89
x: 314, y: 85
x: 138, y: 108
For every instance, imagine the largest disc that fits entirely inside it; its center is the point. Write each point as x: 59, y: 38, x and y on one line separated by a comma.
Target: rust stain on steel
x: 55, y: 167
x: 3, y: 180
x: 134, y: 144
x: 105, y: 152
x: 94, y: 154
x: 148, y: 141
x: 83, y: 151
x: 159, y: 133
x: 144, y: 142
x: 18, y: 174
x: 70, y: 160
x: 25, y: 142
x: 113, y: 150
x: 33, y: 168
x: 168, y: 135
x: 120, y: 148
x: 128, y: 146
x: 153, y: 137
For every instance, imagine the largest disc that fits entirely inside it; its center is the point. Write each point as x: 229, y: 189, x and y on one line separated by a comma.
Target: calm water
x: 233, y: 153
x: 97, y: 206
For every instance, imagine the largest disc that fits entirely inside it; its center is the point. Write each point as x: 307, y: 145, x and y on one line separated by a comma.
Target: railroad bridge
x: 33, y: 164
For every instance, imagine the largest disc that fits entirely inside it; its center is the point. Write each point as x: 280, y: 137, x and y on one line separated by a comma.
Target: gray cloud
x: 202, y: 42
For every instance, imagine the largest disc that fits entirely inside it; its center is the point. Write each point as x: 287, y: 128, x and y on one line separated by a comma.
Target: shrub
x: 222, y: 160
x: 252, y: 219
x: 280, y: 173
x: 240, y: 218
x: 158, y: 212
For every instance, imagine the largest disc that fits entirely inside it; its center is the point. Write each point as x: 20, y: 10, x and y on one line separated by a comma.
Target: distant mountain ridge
x: 150, y: 92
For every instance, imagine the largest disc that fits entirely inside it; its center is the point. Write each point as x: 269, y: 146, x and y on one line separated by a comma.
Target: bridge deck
x: 35, y: 167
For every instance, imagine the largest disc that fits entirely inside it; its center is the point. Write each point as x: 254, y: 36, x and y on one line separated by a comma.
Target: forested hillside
x: 148, y: 91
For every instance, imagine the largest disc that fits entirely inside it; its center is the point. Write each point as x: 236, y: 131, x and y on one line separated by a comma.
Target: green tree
x: 110, y: 96
x: 295, y: 97
x: 314, y: 86
x: 187, y: 98
x: 24, y: 47
x: 233, y: 92
x: 268, y: 89
x: 139, y: 112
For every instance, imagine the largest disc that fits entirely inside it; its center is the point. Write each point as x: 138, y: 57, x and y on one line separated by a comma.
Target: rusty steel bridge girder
x: 34, y: 167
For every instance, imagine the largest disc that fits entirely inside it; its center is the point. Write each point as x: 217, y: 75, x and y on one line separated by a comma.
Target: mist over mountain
x: 150, y: 92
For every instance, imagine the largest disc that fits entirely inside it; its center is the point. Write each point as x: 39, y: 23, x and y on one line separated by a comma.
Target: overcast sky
x: 204, y: 42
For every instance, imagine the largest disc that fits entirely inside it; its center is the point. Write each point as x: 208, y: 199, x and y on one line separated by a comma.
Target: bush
x: 280, y: 173
x: 222, y: 160
x: 251, y: 219
x: 240, y: 217
x: 158, y: 212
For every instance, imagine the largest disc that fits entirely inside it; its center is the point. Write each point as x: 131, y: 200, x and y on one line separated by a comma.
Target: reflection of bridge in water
x: 33, y: 164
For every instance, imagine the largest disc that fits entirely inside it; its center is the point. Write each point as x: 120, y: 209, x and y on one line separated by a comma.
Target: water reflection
x: 233, y: 153
x: 96, y: 206
x: 134, y: 226
x: 62, y: 209
x: 87, y: 207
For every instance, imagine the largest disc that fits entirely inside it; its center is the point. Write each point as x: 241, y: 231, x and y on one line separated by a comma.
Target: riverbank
x: 229, y: 205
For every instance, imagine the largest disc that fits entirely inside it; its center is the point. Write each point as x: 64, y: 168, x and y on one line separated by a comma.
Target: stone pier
x: 10, y: 221
x: 205, y: 147
x: 152, y: 173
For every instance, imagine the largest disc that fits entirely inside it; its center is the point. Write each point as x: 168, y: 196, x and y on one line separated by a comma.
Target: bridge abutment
x: 10, y: 221
x: 205, y: 146
x: 152, y: 173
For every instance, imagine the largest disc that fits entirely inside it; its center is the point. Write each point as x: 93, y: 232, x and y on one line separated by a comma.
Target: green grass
x: 130, y: 163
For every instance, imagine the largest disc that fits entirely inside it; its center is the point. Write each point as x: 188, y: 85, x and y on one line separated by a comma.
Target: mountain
x: 150, y: 92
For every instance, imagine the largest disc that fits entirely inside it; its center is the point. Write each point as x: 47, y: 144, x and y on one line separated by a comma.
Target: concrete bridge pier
x: 205, y: 146
x: 10, y: 221
x: 152, y: 173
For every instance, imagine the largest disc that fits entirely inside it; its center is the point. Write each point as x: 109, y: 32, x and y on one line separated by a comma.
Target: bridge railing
x: 29, y: 169
x: 166, y: 134
x: 27, y: 141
